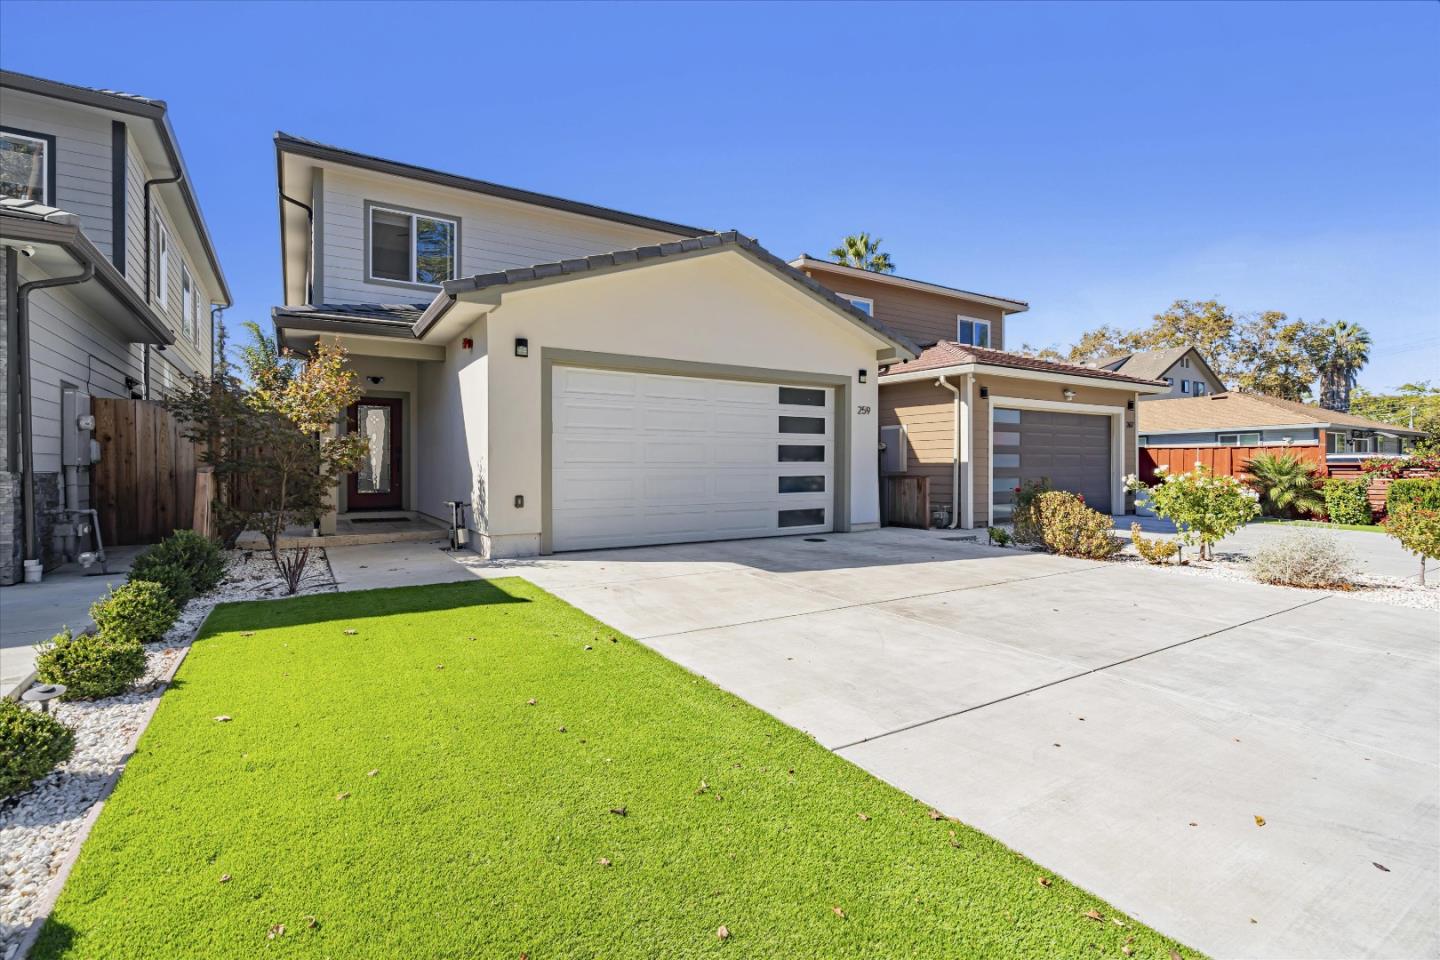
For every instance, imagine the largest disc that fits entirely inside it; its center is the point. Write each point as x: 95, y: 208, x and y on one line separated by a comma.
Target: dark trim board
x: 119, y: 150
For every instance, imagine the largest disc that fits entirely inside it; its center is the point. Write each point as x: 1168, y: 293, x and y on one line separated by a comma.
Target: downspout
x: 27, y: 429
x: 955, y: 462
x: 309, y: 269
x: 148, y: 283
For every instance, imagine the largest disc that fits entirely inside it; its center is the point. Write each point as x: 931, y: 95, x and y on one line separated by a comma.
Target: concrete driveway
x: 1121, y: 725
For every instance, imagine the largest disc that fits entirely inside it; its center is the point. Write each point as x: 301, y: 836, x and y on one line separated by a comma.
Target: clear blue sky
x: 1096, y: 160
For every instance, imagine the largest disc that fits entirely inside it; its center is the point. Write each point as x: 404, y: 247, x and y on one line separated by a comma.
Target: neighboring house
x: 1257, y: 421
x: 978, y: 421
x: 1183, y: 368
x: 109, y: 276
x: 577, y: 376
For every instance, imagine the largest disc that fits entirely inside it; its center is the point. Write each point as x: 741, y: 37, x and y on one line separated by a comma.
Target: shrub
x: 1399, y: 466
x: 139, y: 611
x: 1303, y: 559
x: 186, y: 562
x: 1153, y: 551
x: 1347, y: 501
x: 1204, y: 507
x: 1418, y: 530
x: 1023, y: 512
x: 1421, y: 491
x: 31, y: 745
x: 91, y: 665
x: 1071, y: 529
x: 999, y: 536
x: 1286, y: 484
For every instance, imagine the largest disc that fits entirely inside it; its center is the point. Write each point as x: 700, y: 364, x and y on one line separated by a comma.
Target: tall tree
x: 859, y: 250
x: 1274, y: 355
x: 1342, y: 355
x: 1207, y: 325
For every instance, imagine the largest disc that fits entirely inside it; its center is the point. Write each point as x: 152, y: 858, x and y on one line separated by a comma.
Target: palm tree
x: 1285, y: 483
x: 858, y: 250
x: 1346, y: 351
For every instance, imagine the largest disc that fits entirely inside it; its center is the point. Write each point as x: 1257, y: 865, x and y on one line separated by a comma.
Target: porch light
x: 1129, y: 404
x: 984, y: 393
x: 864, y: 374
x: 1068, y: 394
x: 522, y: 347
x: 43, y: 693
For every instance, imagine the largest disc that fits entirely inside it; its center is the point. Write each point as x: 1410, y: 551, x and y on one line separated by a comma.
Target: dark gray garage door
x: 1070, y: 450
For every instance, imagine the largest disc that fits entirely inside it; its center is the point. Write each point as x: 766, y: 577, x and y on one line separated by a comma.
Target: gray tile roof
x: 1149, y: 364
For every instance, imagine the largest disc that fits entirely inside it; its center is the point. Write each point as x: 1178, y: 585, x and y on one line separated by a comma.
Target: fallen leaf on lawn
x: 1094, y: 915
x: 619, y: 811
x: 312, y: 922
x: 723, y: 933
x: 342, y: 794
x: 1175, y: 956
x: 278, y: 930
x: 1127, y: 950
x: 530, y: 702
x: 863, y: 816
x: 588, y: 647
x: 372, y: 773
x: 1044, y: 881
x: 351, y: 633
x: 613, y: 640
x: 222, y: 719
x: 936, y: 815
x: 247, y: 633
x: 953, y: 842
x: 472, y: 638
x: 1379, y: 866
x: 1117, y: 921
x: 224, y: 878
x: 603, y: 861
x: 703, y: 787
x: 838, y: 912
x: 562, y: 729
x: 440, y: 666
x: 1259, y: 820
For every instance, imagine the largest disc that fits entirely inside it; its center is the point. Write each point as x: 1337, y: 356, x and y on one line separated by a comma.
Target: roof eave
x: 1009, y: 306
x: 1022, y: 373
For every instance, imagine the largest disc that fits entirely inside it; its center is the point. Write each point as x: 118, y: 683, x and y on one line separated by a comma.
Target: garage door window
x: 802, y: 424
x: 802, y: 484
x: 1007, y: 461
x: 797, y: 453
x: 802, y: 518
x: 800, y: 397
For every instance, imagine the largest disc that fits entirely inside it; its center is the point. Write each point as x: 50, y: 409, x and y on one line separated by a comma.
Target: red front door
x: 377, y: 484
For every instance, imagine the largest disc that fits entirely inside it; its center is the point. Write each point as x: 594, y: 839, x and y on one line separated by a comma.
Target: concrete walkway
x: 31, y: 613
x: 1122, y: 725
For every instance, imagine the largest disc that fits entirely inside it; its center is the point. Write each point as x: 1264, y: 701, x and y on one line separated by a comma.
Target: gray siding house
x: 1183, y: 368
x: 108, y: 278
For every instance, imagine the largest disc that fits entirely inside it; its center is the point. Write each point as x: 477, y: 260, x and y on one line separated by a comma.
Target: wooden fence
x: 905, y: 502
x: 144, y: 484
x: 1229, y: 461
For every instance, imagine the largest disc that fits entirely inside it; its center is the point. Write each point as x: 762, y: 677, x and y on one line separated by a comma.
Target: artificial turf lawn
x: 482, y: 830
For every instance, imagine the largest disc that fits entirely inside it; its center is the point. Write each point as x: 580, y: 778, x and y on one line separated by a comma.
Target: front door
x: 377, y: 484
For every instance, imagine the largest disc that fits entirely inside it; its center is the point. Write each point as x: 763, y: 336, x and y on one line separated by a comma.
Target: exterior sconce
x: 864, y: 375
x: 1129, y: 404
x: 984, y: 393
x: 376, y: 381
x: 1068, y: 394
x: 522, y: 347
x: 519, y: 501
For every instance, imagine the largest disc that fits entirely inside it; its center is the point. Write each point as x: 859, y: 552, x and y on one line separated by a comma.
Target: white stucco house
x: 580, y: 377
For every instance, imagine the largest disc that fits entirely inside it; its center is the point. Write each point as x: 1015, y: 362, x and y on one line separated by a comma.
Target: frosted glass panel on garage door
x: 641, y: 458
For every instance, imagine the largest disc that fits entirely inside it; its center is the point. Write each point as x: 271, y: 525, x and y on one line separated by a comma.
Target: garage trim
x: 550, y: 357
x: 1117, y: 439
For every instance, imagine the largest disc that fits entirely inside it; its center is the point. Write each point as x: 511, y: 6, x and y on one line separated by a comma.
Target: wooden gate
x: 144, y: 484
x: 905, y: 502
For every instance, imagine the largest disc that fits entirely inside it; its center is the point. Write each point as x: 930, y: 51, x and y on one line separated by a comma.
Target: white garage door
x: 640, y: 458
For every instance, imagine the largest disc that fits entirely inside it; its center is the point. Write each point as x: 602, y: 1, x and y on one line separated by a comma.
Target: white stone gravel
x: 39, y: 827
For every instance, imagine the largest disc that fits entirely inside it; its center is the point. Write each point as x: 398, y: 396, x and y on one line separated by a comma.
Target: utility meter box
x: 77, y: 429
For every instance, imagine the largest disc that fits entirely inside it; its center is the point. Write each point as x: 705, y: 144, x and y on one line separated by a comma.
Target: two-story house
x: 575, y: 376
x: 1183, y: 368
x: 109, y: 279
x: 977, y: 421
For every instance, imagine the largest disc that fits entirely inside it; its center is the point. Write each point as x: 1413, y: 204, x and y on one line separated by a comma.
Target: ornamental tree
x: 1205, y: 507
x: 1418, y: 530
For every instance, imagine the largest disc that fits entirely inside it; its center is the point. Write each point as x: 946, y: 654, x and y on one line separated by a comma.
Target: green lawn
x: 396, y: 786
x: 1368, y: 527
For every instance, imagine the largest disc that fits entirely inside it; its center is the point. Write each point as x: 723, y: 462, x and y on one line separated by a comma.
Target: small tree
x: 1418, y: 530
x: 1205, y: 507
x: 1285, y: 483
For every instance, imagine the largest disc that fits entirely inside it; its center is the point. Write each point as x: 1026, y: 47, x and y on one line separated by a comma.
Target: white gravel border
x: 41, y: 830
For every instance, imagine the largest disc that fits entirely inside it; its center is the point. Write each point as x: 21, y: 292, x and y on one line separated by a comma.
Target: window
x: 801, y: 397
x: 895, y: 457
x: 1185, y: 362
x: 802, y: 518
x: 1170, y: 381
x: 1184, y: 386
x: 187, y: 302
x: 25, y: 166
x: 162, y: 263
x: 864, y: 304
x: 972, y: 331
x: 1238, y: 439
x: 802, y: 424
x: 801, y: 453
x: 411, y: 247
x: 802, y: 484
x: 1199, y: 388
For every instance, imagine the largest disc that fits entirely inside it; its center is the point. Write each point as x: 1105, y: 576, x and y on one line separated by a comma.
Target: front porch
x: 354, y: 529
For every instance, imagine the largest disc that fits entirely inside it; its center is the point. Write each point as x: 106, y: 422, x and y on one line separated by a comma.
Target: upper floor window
x: 1199, y: 388
x: 187, y: 302
x: 1184, y: 386
x: 162, y: 263
x: 1185, y: 362
x: 972, y: 331
x: 863, y: 304
x: 26, y: 166
x: 408, y: 246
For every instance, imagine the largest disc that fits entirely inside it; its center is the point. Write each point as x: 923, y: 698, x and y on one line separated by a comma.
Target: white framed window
x: 864, y: 304
x: 1199, y: 388
x: 25, y: 160
x: 410, y: 246
x: 162, y: 263
x: 1184, y: 386
x: 1238, y: 439
x: 1185, y: 362
x: 972, y: 330
x: 187, y: 302
x: 895, y: 457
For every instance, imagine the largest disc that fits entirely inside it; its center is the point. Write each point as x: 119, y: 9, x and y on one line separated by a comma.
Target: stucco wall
x: 451, y: 429
x: 718, y: 309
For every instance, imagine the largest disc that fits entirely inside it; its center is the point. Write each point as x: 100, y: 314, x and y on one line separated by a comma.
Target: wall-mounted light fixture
x: 519, y: 501
x: 984, y: 393
x: 864, y: 375
x: 522, y: 347
x: 1129, y: 404
x: 376, y: 381
x: 1068, y: 394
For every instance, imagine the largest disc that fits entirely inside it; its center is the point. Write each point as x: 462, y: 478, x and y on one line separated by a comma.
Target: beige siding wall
x: 927, y: 412
x: 923, y: 317
x: 495, y: 234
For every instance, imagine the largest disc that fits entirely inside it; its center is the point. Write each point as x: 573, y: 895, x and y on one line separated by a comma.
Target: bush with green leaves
x: 1155, y: 551
x: 1421, y: 491
x: 999, y: 536
x: 139, y: 611
x: 1417, y: 528
x: 91, y: 665
x: 186, y: 562
x: 1204, y: 506
x: 1303, y: 559
x: 1286, y: 484
x: 1023, y: 514
x: 31, y: 745
x: 1348, y: 501
x: 1071, y: 529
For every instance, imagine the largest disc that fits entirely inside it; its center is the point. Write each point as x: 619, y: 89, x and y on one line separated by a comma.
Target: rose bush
x: 1205, y: 507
